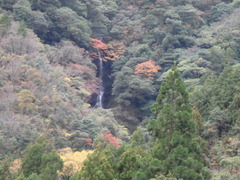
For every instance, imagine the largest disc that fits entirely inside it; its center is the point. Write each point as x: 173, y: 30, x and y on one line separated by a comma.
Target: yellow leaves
x: 47, y: 121
x: 86, y: 106
x: 31, y: 74
x: 232, y: 145
x: 56, y: 98
x: 25, y: 96
x: 214, y: 163
x: 66, y: 134
x: 16, y: 165
x: 67, y: 79
x: 231, y: 139
x: 25, y: 66
x: 72, y: 161
x: 27, y: 102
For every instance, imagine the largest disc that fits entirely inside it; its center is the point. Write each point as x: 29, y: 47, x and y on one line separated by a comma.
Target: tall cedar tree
x: 41, y: 160
x: 174, y: 131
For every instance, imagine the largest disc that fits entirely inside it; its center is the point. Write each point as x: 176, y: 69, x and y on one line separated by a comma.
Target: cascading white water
x: 99, y: 103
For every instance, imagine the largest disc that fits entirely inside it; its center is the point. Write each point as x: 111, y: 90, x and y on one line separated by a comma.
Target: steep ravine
x: 104, y: 73
x: 99, y: 100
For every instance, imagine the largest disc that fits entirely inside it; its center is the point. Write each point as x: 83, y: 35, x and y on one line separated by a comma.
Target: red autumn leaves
x: 98, y: 44
x: 110, y: 52
x: 110, y: 139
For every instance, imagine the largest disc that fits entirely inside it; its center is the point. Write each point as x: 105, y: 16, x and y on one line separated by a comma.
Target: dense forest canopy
x: 170, y: 83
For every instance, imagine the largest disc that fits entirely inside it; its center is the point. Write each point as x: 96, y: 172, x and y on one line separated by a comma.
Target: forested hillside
x: 166, y: 73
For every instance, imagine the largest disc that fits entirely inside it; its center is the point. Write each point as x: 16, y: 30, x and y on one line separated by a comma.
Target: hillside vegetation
x: 171, y: 89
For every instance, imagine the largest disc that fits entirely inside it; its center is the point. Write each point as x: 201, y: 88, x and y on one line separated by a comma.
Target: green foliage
x: 176, y: 140
x: 99, y: 166
x: 33, y: 156
x: 7, y: 4
x: 138, y: 137
x: 220, y: 120
x: 174, y: 131
x: 193, y: 69
x: 79, y: 7
x: 220, y: 10
x: 135, y: 163
x: 48, y: 89
x: 232, y: 163
x: 5, y: 24
x: 71, y: 25
x: 44, y: 5
x: 190, y: 15
x: 229, y: 168
x: 20, y: 135
x: 22, y: 11
x: 134, y: 91
x: 21, y: 177
x: 99, y: 13
x: 45, y: 96
x: 51, y: 163
x: 39, y: 23
x: 127, y: 162
x: 129, y: 89
x: 218, y: 99
x: 151, y: 21
x: 219, y: 58
x: 41, y: 159
x: 162, y: 177
x: 4, y: 169
x: 33, y: 176
x: 235, y: 3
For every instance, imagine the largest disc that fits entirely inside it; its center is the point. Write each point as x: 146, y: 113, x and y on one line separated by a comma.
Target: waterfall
x: 99, y: 103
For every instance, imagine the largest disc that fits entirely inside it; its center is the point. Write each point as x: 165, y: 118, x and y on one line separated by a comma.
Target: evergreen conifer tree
x: 174, y: 131
x: 41, y: 159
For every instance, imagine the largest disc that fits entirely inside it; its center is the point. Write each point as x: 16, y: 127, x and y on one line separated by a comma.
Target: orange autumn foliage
x: 147, y: 69
x: 114, y: 50
x: 109, y: 52
x: 110, y: 139
x: 98, y: 44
